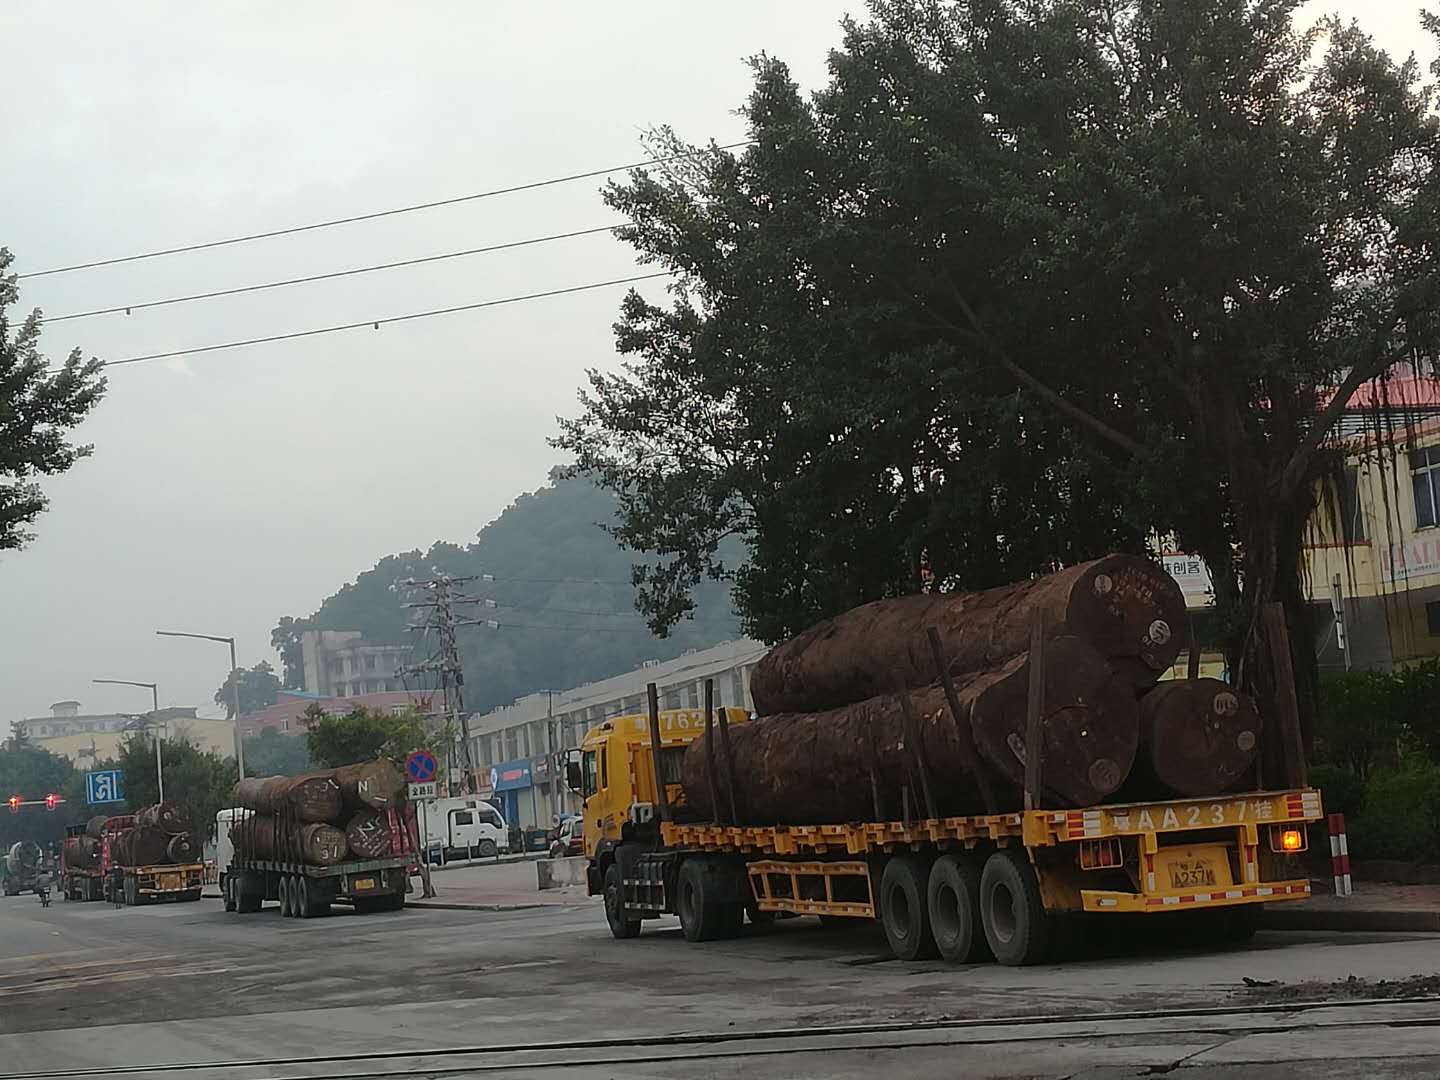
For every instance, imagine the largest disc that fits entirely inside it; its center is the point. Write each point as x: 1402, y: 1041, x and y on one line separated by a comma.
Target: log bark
x: 314, y: 797
x: 96, y: 825
x: 377, y: 784
x: 81, y: 852
x: 267, y: 836
x: 1197, y: 737
x: 368, y: 834
x: 1125, y: 607
x: 169, y: 817
x: 817, y: 768
x: 140, y: 846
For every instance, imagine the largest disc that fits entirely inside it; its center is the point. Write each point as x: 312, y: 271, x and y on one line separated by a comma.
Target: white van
x: 463, y: 826
x: 224, y: 849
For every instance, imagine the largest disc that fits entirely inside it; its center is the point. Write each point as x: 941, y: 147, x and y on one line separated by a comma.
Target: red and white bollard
x: 1339, y: 855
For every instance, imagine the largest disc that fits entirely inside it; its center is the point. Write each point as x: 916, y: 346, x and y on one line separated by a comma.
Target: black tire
x: 1016, y: 926
x: 703, y: 917
x: 487, y: 849
x: 620, y: 926
x: 249, y: 892
x: 287, y: 896
x: 904, y: 913
x: 301, y: 900
x: 228, y: 892
x: 953, y: 900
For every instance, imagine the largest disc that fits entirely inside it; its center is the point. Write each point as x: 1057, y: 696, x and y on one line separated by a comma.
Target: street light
x: 234, y: 689
x: 154, y: 724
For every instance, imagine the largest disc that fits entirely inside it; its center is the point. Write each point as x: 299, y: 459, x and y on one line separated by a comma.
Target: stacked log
x: 160, y: 836
x: 853, y: 763
x: 321, y: 817
x: 170, y: 818
x: 142, y: 845
x: 831, y: 743
x: 1126, y: 608
x: 96, y: 826
x: 81, y: 852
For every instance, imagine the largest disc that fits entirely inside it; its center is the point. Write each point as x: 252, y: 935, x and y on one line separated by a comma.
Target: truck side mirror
x: 572, y: 776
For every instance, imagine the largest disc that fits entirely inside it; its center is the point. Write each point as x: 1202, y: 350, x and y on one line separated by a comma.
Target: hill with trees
x: 563, y: 603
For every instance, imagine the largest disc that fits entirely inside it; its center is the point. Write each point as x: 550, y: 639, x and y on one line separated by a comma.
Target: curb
x: 1358, y: 920
x: 441, y: 905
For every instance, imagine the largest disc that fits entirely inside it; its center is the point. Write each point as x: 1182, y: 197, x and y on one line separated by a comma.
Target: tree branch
x: 1039, y: 389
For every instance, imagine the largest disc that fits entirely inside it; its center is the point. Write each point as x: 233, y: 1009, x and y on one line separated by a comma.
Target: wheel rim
x: 945, y: 917
x: 1002, y: 912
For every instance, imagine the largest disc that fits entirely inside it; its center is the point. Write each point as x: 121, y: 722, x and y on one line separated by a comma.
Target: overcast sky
x: 229, y: 489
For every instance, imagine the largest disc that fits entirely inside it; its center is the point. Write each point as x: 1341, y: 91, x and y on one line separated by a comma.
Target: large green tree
x: 259, y: 688
x: 272, y: 754
x: 39, y: 405
x: 199, y: 780
x: 364, y: 734
x: 32, y: 773
x: 1026, y: 281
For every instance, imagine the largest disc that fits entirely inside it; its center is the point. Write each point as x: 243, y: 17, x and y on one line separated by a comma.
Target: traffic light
x: 14, y: 802
x: 52, y: 800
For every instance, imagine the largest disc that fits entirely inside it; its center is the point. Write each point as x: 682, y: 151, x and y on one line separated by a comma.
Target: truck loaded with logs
x: 310, y: 840
x: 966, y: 768
x: 150, y: 855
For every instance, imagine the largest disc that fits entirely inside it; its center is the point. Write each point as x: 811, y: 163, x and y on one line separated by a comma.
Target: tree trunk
x: 314, y: 797
x: 1197, y: 737
x: 828, y: 767
x: 377, y: 784
x: 368, y: 834
x: 266, y: 836
x: 182, y: 848
x: 169, y: 817
x: 1125, y: 607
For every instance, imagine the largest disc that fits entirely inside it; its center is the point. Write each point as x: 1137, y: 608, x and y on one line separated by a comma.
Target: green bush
x: 1400, y: 817
x: 1341, y: 790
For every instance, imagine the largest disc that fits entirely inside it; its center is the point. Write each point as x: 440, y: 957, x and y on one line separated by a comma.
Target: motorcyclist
x: 42, y: 886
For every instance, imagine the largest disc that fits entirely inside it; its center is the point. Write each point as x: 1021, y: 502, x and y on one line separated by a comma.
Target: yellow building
x: 89, y: 737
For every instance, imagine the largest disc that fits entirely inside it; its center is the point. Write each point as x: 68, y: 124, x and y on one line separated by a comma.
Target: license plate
x: 363, y: 883
x: 1192, y: 873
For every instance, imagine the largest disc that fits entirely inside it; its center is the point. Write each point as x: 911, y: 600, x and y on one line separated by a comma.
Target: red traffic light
x: 52, y: 800
x: 14, y: 802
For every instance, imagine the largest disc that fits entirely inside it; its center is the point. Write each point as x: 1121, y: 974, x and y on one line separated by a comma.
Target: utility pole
x: 1337, y: 605
x: 441, y: 602
x: 154, y: 726
x: 553, y: 749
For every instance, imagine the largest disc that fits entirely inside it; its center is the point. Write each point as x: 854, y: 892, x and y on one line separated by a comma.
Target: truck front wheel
x: 621, y: 926
x: 904, y: 912
x: 1016, y: 925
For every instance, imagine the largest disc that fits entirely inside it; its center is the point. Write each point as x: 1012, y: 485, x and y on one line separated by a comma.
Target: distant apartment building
x: 87, y: 737
x: 287, y: 715
x: 516, y: 748
x: 341, y: 663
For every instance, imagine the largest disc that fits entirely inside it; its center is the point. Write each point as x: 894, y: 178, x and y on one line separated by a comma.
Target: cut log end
x: 1198, y: 737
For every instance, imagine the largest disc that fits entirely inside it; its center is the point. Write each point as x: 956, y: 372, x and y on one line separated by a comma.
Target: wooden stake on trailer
x: 964, y: 736
x: 1035, y: 715
x: 729, y: 764
x: 661, y: 800
x: 1287, y: 708
x: 710, y: 750
x: 1192, y: 669
x: 917, y: 751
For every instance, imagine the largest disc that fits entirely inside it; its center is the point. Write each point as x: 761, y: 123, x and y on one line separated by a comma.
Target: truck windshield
x: 588, y: 774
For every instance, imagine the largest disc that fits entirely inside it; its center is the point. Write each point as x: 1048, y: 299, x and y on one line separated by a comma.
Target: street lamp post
x: 234, y: 688
x: 154, y: 723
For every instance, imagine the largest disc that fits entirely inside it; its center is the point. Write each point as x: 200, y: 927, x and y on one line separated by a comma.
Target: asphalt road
x: 88, y: 989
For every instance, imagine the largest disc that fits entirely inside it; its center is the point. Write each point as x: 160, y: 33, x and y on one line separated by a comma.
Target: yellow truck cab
x: 615, y: 774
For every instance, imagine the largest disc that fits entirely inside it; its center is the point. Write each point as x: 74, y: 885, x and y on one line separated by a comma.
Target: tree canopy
x: 1025, y: 282
x: 272, y: 754
x: 38, y: 407
x: 562, y: 597
x: 364, y: 734
x: 32, y: 773
x: 199, y: 780
x: 259, y: 688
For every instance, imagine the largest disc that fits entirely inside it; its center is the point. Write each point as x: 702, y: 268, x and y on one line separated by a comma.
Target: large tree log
x: 368, y: 834
x: 378, y: 784
x: 81, y: 852
x: 817, y: 768
x: 1197, y: 737
x: 314, y: 797
x: 140, y: 846
x: 169, y: 817
x: 96, y: 825
x: 266, y: 836
x: 1125, y: 607
x: 182, y: 848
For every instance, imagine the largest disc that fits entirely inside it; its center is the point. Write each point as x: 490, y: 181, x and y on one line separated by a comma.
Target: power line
x: 128, y: 308
x: 531, y: 186
x: 377, y: 323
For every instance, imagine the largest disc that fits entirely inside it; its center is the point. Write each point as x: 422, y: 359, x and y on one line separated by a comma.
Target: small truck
x: 968, y: 888
x: 144, y: 884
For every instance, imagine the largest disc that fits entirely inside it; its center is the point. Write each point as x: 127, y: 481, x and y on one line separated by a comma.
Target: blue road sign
x: 104, y: 786
x: 420, y: 767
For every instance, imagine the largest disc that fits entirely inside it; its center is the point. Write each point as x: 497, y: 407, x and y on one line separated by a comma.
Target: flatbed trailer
x: 160, y: 882
x: 79, y: 884
x: 305, y: 891
x: 967, y: 888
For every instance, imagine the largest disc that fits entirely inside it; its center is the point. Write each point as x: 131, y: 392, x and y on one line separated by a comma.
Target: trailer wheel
x: 1016, y: 925
x: 620, y: 926
x: 249, y: 892
x: 903, y: 910
x: 228, y: 892
x: 132, y: 892
x: 703, y: 916
x: 953, y: 898
x: 302, y: 901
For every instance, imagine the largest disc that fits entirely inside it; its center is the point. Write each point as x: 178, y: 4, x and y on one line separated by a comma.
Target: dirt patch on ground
x: 1341, y: 989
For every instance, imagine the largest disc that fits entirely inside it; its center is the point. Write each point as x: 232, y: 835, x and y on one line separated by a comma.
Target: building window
x: 1432, y: 617
x: 1352, y: 517
x: 1425, y: 475
x: 369, y: 663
